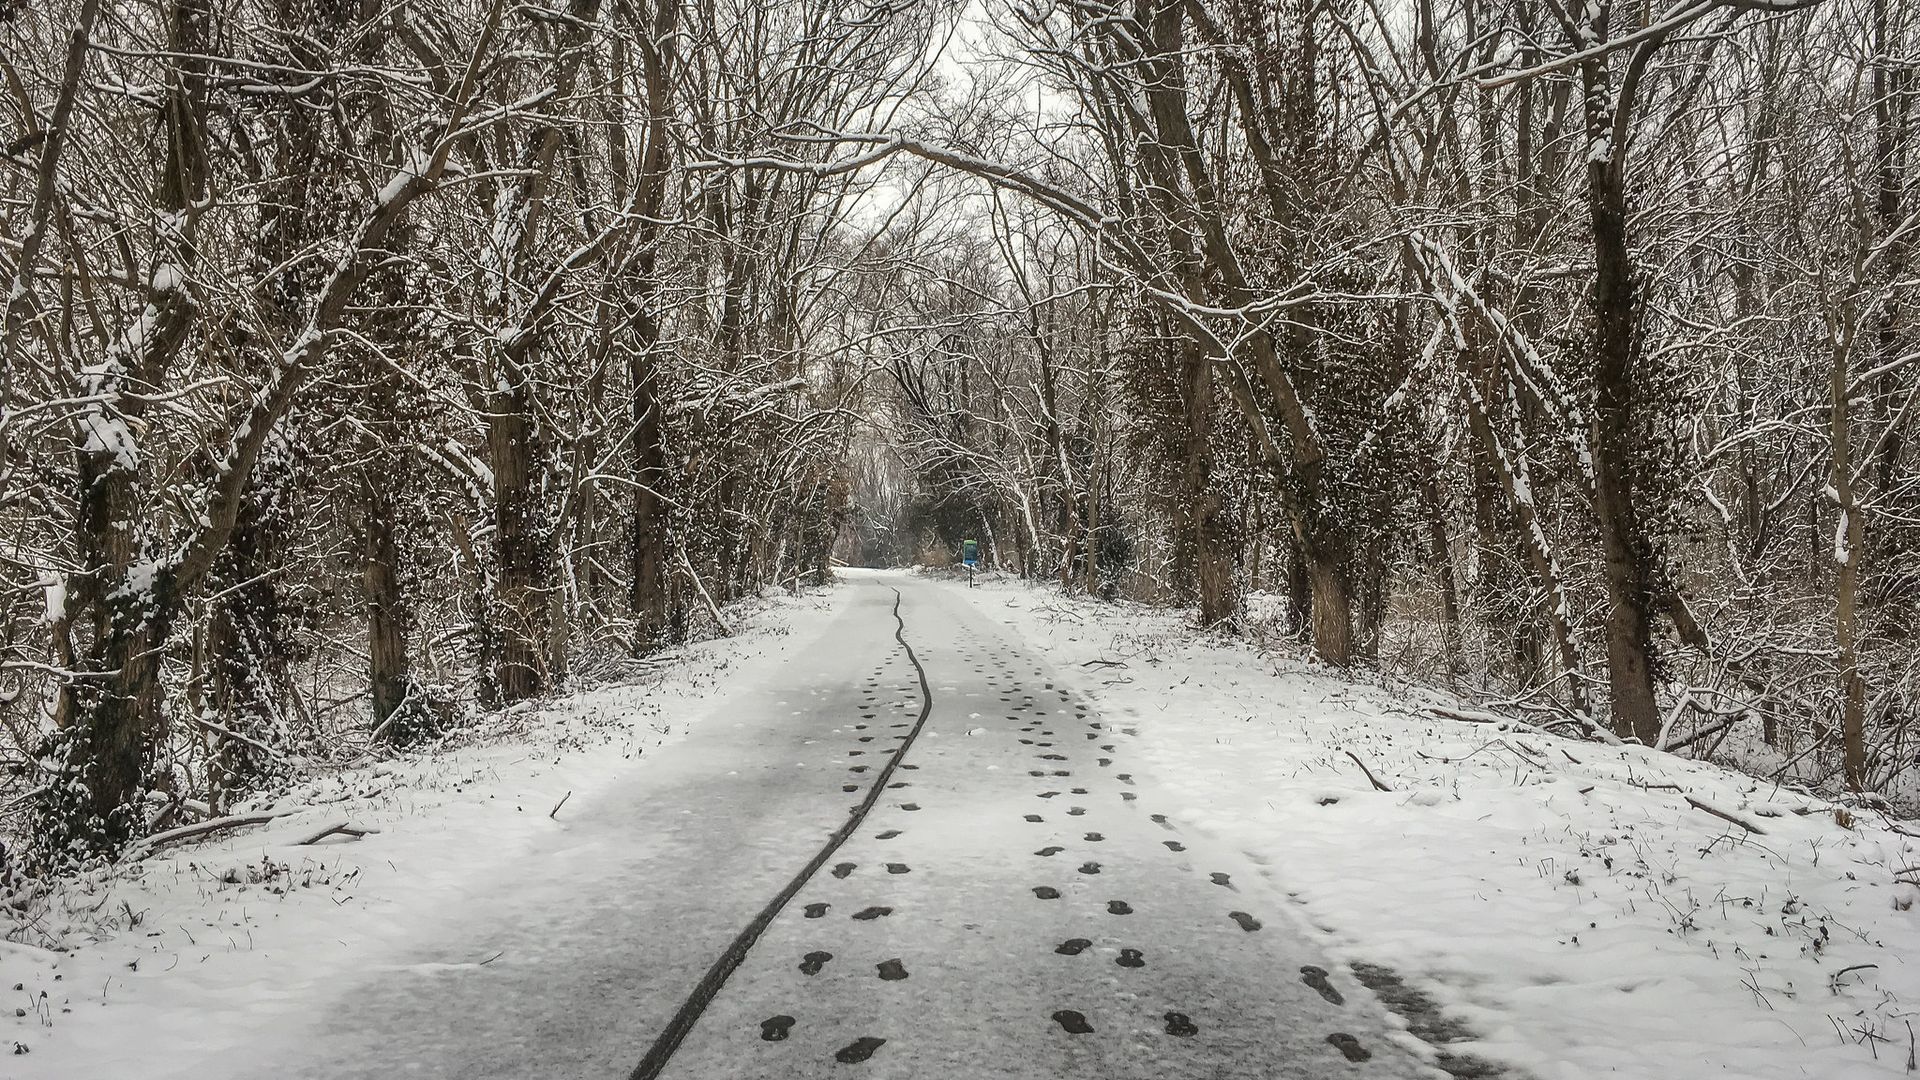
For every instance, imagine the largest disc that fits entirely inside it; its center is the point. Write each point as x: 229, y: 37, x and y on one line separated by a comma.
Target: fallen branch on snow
x: 188, y: 832
x: 1592, y: 730
x: 355, y: 831
x: 1724, y: 816
x: 1377, y: 785
x: 1471, y: 716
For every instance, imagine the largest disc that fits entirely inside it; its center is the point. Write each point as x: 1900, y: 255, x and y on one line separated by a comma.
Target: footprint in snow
x: 1221, y: 879
x: 1073, y: 1022
x: 776, y: 1028
x: 1035, y: 817
x: 892, y: 970
x: 813, y: 962
x: 1094, y: 838
x: 888, y: 835
x: 1179, y: 1024
x: 1316, y: 977
x: 1046, y: 892
x: 1131, y: 958
x: 1246, y: 921
x: 872, y: 913
x: 1073, y: 946
x: 817, y: 911
x: 1119, y: 907
x: 841, y: 870
x: 897, y: 868
x: 859, y: 1050
x: 1049, y: 851
x: 1349, y: 1046
x: 1089, y: 867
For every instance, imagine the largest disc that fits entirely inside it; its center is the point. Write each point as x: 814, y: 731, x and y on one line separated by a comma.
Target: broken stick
x: 1377, y: 785
x: 1724, y: 816
x: 345, y: 829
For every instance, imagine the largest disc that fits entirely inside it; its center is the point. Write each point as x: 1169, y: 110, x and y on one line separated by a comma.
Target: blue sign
x: 970, y: 552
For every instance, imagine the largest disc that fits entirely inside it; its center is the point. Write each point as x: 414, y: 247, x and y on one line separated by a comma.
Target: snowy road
x: 1013, y: 905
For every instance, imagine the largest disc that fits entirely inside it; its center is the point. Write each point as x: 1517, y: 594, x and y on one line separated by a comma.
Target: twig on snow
x: 1471, y: 716
x: 561, y: 803
x: 1833, y: 980
x: 1724, y: 816
x: 341, y: 827
x: 1377, y: 785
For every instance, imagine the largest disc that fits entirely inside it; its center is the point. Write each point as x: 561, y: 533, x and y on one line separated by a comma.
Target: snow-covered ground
x: 1556, y: 906
x: 188, y: 952
x: 1563, y: 900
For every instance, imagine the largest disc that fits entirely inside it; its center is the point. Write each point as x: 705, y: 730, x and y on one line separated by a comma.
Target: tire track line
x: 669, y: 1040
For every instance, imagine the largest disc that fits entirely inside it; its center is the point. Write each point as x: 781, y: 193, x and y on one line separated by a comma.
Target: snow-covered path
x: 1014, y: 905
x: 1532, y: 907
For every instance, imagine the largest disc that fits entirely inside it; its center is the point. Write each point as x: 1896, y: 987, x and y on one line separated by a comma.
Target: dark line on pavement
x: 681, y: 1025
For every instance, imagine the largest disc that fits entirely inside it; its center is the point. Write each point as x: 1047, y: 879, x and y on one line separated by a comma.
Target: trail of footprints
x: 778, y: 1028
x: 1177, y: 1024
x: 1070, y: 1021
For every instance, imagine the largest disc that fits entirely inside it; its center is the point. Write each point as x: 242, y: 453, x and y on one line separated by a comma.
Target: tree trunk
x: 389, y: 619
x: 1628, y: 559
x: 522, y: 542
x: 650, y: 580
x: 1440, y: 562
x: 1332, y: 608
x: 1202, y: 506
x: 1849, y: 535
x: 250, y: 648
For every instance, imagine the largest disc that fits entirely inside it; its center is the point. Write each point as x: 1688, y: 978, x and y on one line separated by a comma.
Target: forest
x: 371, y: 365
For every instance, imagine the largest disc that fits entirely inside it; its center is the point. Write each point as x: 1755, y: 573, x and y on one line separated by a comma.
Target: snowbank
x: 185, y: 953
x: 1567, y: 908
